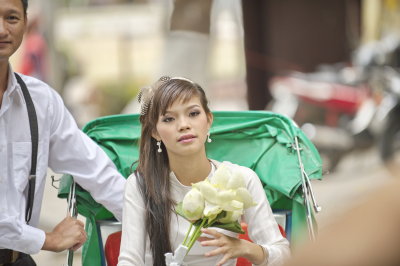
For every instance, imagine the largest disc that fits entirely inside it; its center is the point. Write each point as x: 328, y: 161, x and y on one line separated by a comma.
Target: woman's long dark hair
x: 153, y: 167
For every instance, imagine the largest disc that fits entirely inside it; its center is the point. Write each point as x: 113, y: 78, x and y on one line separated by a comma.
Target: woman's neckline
x: 210, y: 174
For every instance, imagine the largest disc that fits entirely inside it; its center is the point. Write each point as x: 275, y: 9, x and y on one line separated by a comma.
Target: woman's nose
x: 183, y: 124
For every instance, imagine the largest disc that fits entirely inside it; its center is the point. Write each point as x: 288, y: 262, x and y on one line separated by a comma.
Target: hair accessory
x: 208, y: 137
x: 146, y: 94
x: 144, y: 98
x: 159, y: 150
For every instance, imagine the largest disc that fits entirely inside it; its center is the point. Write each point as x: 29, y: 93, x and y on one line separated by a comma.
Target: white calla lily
x: 236, y: 181
x: 193, y: 204
x: 232, y: 205
x: 221, y: 176
x: 243, y: 195
x: 211, y: 211
x: 231, y: 216
x: 210, y: 193
x: 225, y: 196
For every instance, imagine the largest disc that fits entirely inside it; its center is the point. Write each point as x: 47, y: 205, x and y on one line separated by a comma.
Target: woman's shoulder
x: 132, y: 180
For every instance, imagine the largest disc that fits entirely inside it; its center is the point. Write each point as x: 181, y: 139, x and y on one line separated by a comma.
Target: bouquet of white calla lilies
x: 218, y: 202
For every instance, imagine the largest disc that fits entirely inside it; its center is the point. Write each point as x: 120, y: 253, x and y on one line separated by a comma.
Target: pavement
x: 358, y: 173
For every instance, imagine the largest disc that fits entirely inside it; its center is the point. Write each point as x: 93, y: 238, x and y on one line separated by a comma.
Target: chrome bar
x: 306, y: 192
x: 71, y: 211
x: 317, y: 208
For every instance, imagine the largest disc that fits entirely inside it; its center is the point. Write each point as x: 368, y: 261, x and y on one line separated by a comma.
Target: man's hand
x: 68, y: 234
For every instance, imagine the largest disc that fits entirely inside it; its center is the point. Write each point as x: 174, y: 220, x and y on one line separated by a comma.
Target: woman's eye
x: 194, y: 113
x: 167, y: 119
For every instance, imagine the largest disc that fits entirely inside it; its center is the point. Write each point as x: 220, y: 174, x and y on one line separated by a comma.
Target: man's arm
x: 16, y: 235
x: 73, y: 152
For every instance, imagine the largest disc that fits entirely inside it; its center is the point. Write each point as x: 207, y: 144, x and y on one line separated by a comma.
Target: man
x: 61, y: 146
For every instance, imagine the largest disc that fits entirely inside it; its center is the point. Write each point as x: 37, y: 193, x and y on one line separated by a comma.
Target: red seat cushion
x: 111, y: 248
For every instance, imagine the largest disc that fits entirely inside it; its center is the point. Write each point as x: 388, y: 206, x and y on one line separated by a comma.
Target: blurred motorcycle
x: 388, y: 120
x: 345, y: 107
x: 330, y: 105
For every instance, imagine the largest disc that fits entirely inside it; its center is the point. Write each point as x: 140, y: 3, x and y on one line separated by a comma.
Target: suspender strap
x: 35, y: 140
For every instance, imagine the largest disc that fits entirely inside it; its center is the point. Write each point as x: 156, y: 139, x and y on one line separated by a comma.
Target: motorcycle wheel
x: 390, y: 146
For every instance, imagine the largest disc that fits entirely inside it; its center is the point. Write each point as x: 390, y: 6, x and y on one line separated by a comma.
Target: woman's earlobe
x: 210, y: 119
x: 155, y: 136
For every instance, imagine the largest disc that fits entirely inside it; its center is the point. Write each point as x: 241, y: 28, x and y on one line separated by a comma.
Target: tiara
x: 145, y: 96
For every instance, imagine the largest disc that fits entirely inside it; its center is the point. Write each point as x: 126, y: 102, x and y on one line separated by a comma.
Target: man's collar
x: 12, y: 90
x: 11, y: 81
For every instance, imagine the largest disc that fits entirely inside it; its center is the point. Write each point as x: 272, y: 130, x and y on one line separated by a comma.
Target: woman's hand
x: 231, y: 247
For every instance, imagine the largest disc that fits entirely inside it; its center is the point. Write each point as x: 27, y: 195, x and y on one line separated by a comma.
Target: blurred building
x: 295, y: 35
x: 119, y: 46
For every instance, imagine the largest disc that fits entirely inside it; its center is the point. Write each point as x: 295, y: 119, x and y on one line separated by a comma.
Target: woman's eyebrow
x: 187, y: 108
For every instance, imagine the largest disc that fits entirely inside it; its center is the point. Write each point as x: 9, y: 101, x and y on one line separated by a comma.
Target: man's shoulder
x: 32, y: 82
x: 37, y: 88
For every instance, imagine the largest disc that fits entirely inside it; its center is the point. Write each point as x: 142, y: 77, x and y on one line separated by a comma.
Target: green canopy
x: 260, y: 140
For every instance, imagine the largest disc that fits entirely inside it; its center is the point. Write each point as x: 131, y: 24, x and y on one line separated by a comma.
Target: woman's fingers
x: 223, y: 260
x: 211, y: 232
x: 225, y: 245
x: 211, y: 242
x: 208, y: 241
x: 214, y: 252
x: 204, y: 238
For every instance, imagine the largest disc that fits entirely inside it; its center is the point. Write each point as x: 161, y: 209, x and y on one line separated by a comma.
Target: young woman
x: 175, y: 122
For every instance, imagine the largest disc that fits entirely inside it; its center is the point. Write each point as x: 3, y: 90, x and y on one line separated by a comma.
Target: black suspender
x: 35, y: 139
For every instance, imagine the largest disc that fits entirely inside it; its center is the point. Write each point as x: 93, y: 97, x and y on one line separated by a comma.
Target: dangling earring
x: 208, y: 137
x: 159, y: 146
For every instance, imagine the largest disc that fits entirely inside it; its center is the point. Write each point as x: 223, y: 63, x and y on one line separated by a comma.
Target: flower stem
x: 187, y: 234
x: 196, y: 234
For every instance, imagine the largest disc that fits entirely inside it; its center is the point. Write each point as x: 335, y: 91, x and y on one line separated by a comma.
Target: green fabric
x: 262, y: 141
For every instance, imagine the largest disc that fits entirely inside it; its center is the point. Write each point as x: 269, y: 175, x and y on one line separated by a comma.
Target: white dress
x: 262, y: 227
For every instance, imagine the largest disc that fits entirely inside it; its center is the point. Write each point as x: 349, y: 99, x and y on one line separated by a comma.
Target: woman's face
x: 183, y: 128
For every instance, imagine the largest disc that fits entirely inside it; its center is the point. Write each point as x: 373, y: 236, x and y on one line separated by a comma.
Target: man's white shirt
x: 62, y: 147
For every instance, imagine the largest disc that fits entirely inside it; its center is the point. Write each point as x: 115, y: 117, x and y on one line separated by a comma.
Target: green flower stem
x: 210, y: 223
x: 196, y: 234
x: 187, y: 234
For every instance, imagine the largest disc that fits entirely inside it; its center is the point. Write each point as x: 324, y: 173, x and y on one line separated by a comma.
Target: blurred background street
x: 331, y: 66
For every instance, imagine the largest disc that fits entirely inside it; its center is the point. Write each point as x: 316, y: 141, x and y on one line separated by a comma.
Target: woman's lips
x: 186, y: 138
